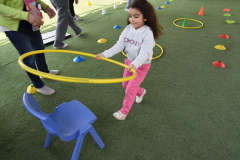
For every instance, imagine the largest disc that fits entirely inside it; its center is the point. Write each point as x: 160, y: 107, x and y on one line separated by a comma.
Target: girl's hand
x: 131, y: 66
x: 35, y: 20
x: 50, y: 12
x: 98, y: 56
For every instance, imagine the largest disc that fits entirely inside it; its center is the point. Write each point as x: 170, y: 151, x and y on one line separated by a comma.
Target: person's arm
x: 50, y: 12
x: 13, y: 13
x: 145, y: 51
x: 19, y: 14
x: 118, y: 47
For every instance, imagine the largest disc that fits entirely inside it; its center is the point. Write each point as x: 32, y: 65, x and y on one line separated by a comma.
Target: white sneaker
x: 139, y: 99
x: 76, y: 18
x: 45, y: 90
x: 127, y: 10
x: 119, y: 115
x: 64, y: 46
x: 52, y: 72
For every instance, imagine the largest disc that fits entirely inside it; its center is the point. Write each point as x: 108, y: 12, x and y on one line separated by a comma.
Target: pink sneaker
x: 119, y: 115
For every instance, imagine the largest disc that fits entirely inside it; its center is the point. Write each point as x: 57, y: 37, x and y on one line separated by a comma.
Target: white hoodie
x: 137, y: 44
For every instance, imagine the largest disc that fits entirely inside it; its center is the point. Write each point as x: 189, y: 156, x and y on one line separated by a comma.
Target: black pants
x: 71, y: 8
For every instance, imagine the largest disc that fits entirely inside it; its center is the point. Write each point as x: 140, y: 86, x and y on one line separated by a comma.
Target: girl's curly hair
x: 148, y: 13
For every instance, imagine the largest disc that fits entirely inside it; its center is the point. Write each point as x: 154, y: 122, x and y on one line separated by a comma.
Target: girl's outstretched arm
x: 118, y: 47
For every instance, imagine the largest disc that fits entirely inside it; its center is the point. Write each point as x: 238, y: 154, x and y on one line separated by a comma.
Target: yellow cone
x: 88, y: 3
x: 220, y: 47
x: 31, y: 89
x: 102, y: 40
x: 163, y: 7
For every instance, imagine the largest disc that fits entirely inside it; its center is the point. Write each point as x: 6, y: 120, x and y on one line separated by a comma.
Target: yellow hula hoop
x: 190, y: 20
x: 74, y: 79
x: 153, y: 57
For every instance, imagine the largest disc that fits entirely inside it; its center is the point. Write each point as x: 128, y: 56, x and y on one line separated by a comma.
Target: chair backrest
x: 33, y: 107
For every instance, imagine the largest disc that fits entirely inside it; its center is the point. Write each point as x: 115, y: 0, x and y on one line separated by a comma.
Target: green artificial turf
x: 191, y: 109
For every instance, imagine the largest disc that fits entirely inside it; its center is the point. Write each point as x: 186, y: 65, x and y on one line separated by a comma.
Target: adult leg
x: 71, y: 8
x: 74, y: 26
x: 128, y: 3
x: 23, y: 45
x: 62, y: 23
x: 37, y: 43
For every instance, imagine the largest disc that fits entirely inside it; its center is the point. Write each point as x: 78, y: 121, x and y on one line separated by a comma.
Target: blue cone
x: 117, y: 27
x: 78, y: 59
x: 158, y: 8
x: 167, y: 3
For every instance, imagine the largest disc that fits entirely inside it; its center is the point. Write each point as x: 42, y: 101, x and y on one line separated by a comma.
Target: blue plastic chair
x: 69, y: 121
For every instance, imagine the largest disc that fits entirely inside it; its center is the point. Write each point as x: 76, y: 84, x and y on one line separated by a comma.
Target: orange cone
x: 226, y: 10
x: 201, y: 12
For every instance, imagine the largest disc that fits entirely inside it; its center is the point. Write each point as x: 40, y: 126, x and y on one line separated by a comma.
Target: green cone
x: 230, y: 21
x: 227, y: 14
x: 185, y: 22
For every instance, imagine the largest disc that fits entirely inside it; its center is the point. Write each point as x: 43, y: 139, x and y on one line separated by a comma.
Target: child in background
x: 138, y: 41
x: 128, y: 3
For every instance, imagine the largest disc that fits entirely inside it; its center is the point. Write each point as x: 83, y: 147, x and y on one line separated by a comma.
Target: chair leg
x: 48, y: 140
x: 78, y: 147
x: 96, y: 137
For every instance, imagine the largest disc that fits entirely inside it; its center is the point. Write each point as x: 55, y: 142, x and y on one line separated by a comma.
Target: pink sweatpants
x: 132, y: 87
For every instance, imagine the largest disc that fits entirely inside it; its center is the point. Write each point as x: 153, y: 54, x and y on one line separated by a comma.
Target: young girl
x: 138, y: 42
